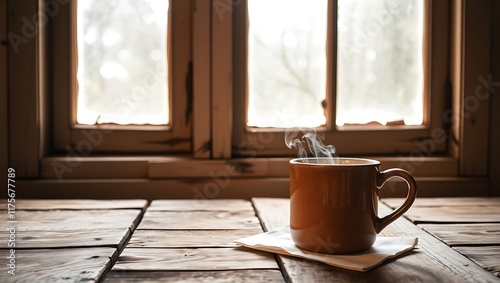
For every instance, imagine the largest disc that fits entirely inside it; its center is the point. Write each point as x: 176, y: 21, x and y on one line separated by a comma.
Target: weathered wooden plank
x: 33, y: 239
x: 432, y: 261
x: 70, y: 228
x: 194, y: 259
x: 201, y: 205
x: 488, y: 257
x: 459, y: 201
x: 188, y: 238
x: 264, y: 208
x: 59, y: 265
x: 465, y: 234
x: 405, y: 269
x: 172, y: 220
x: 223, y: 276
x: 454, y: 214
x: 61, y: 220
x: 76, y: 204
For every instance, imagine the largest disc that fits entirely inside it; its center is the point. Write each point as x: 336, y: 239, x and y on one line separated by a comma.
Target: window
x: 380, y: 62
x: 286, y: 63
x: 208, y: 134
x: 120, y: 81
x: 364, y: 73
x: 125, y: 67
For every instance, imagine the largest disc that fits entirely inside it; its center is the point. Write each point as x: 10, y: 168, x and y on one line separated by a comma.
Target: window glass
x: 286, y: 62
x: 122, y: 62
x: 380, y: 61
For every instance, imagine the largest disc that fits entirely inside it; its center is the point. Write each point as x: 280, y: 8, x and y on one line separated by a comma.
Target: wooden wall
x: 4, y: 155
x: 494, y: 171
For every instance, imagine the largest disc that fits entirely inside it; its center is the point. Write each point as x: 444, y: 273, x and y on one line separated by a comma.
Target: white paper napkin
x: 279, y: 241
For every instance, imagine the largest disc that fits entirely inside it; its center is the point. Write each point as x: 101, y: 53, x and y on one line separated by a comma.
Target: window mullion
x: 222, y: 85
x: 181, y: 13
x: 331, y: 84
x: 201, y: 78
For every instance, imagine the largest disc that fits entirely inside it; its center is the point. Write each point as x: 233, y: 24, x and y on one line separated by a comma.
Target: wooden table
x: 192, y: 241
x: 469, y: 225
x: 66, y: 240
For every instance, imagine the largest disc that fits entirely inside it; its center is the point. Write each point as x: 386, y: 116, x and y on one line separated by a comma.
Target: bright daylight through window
x: 286, y: 62
x: 122, y: 62
x: 379, y: 62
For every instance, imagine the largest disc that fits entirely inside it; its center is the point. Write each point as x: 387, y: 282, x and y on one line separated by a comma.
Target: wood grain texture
x: 76, y: 204
x: 219, y: 170
x: 465, y: 234
x: 201, y: 75
x: 439, y: 202
x: 488, y: 257
x: 172, y: 220
x: 188, y: 238
x: 474, y: 64
x: 225, y: 276
x: 454, y: 214
x: 159, y: 259
x: 61, y: 220
x: 221, y: 81
x: 201, y: 205
x: 432, y: 261
x: 71, y: 228
x: 23, y: 95
x: 264, y: 208
x: 96, y: 168
x: 32, y: 239
x: 59, y: 265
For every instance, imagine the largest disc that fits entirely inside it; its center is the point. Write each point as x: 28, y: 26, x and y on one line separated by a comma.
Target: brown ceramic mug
x: 334, y: 203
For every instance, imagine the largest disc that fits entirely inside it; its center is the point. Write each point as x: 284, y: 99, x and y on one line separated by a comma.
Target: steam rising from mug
x: 314, y: 142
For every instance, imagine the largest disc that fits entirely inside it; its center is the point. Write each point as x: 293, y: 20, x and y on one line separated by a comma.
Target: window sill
x: 224, y: 188
x: 185, y: 177
x: 185, y: 167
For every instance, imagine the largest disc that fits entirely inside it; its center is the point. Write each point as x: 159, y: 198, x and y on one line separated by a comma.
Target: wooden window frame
x: 462, y: 170
x: 102, y: 138
x: 355, y: 139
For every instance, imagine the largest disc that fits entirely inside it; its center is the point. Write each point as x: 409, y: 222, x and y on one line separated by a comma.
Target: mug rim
x: 343, y: 161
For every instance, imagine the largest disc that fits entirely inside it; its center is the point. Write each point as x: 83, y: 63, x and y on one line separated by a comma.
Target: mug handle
x: 382, y: 177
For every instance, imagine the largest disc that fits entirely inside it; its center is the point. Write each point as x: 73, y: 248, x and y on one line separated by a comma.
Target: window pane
x: 379, y: 61
x: 286, y: 62
x: 122, y: 62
